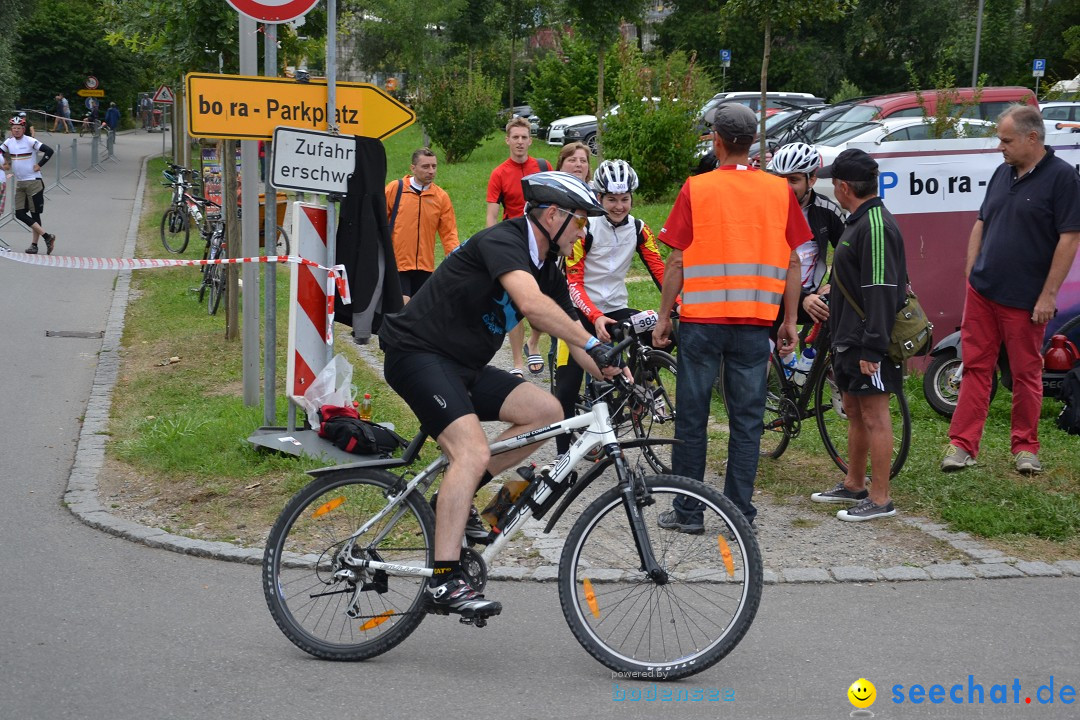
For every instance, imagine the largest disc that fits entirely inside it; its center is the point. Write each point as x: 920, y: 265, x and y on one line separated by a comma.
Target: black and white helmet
x: 559, y: 188
x: 794, y: 158
x: 615, y: 176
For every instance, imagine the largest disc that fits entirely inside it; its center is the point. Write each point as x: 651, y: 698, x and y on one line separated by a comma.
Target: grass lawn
x: 178, y: 452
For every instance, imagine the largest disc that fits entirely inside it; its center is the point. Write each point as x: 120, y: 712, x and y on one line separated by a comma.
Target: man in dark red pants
x: 1019, y: 253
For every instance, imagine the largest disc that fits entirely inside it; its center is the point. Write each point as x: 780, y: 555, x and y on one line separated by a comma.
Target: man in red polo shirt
x: 504, y: 192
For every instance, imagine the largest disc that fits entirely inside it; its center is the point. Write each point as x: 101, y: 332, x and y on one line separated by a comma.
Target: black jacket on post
x: 364, y: 247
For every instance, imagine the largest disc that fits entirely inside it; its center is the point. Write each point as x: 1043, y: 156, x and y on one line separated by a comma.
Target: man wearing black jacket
x: 870, y: 268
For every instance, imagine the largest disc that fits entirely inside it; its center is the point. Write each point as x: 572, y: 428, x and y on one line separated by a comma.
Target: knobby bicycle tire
x: 306, y: 601
x: 631, y: 623
x: 833, y: 424
x: 282, y: 246
x: 175, y: 230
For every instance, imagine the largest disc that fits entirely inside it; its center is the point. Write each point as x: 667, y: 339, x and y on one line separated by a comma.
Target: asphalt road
x: 92, y: 626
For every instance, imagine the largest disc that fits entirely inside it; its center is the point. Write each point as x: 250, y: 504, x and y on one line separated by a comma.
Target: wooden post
x: 232, y: 238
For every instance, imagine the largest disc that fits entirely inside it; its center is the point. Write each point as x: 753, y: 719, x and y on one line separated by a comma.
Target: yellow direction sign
x: 81, y: 92
x: 247, y: 107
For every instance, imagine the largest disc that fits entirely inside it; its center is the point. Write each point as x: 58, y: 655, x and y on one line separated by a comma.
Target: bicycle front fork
x: 636, y: 496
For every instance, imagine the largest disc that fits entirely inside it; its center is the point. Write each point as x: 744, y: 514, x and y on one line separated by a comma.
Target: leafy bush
x: 949, y: 107
x: 848, y: 91
x: 459, y: 111
x: 563, y: 82
x: 659, y: 139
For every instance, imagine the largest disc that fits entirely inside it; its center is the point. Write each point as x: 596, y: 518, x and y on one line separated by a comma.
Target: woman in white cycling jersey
x: 596, y: 271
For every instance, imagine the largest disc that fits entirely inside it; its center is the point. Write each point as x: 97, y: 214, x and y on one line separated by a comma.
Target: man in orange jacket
x: 416, y: 209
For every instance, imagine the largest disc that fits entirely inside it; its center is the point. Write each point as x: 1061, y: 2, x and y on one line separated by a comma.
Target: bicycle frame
x: 598, y: 431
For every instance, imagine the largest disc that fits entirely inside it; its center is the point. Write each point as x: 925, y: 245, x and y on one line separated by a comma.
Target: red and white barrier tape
x: 336, y: 280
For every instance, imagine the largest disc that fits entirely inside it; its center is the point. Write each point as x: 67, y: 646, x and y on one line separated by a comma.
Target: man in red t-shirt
x: 504, y: 192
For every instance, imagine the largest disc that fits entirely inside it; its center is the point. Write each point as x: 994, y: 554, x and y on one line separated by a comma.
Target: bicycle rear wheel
x: 175, y: 230
x: 632, y: 623
x: 314, y: 607
x: 775, y: 432
x: 833, y: 423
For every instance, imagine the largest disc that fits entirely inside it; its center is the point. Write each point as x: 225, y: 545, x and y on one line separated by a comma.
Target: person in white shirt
x: 21, y: 159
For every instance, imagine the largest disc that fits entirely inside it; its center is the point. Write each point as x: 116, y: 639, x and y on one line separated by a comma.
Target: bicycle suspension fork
x: 636, y: 496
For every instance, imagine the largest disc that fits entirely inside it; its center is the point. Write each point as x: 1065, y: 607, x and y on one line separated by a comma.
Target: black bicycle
x: 185, y: 210
x: 813, y: 394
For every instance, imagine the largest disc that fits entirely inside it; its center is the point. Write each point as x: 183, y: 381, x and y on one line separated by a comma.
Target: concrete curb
x: 81, y: 497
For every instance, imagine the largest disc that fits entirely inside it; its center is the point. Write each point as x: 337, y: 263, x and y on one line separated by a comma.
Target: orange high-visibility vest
x: 737, y: 264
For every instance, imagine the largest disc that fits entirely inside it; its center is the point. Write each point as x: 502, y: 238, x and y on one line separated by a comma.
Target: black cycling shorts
x: 439, y: 390
x: 849, y: 378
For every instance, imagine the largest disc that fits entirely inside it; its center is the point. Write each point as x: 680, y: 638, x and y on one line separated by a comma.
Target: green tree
x: 47, y: 66
x: 563, y: 82
x: 12, y: 12
x: 599, y: 23
x: 659, y: 139
x: 781, y: 15
x: 459, y: 110
x: 518, y: 20
x: 174, y: 38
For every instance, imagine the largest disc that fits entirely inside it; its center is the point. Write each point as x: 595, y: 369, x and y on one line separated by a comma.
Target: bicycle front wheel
x: 664, y: 629
x: 175, y: 230
x: 832, y: 423
x: 215, y: 285
x: 318, y: 608
x: 651, y: 407
x: 282, y: 246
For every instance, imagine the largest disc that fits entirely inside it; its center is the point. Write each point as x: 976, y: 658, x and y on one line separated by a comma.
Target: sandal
x: 534, y: 361
x: 516, y: 372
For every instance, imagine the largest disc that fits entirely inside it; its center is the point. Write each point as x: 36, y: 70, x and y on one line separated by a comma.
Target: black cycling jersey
x: 463, y: 312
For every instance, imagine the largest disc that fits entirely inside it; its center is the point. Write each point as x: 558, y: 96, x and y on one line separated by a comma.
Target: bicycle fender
x: 593, y: 472
x: 374, y: 461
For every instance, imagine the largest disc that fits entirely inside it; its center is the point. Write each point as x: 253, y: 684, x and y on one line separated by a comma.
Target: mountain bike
x: 790, y: 400
x: 347, y: 562
x: 184, y: 211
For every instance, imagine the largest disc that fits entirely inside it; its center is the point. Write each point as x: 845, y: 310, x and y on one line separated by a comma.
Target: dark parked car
x: 524, y: 111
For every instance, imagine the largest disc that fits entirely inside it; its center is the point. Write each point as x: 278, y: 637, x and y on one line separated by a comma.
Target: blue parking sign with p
x: 726, y: 55
x: 1039, y: 64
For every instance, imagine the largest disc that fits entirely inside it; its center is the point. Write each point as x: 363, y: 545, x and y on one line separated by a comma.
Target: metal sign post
x: 332, y: 126
x: 270, y: 272
x: 725, y: 63
x: 1038, y: 70
x: 249, y: 225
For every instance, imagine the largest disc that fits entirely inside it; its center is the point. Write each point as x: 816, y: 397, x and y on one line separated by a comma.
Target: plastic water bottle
x: 365, y: 407
x: 789, y: 363
x: 507, y: 495
x: 802, y: 366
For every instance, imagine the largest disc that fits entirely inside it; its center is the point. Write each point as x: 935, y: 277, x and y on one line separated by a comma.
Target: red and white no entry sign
x: 273, y: 11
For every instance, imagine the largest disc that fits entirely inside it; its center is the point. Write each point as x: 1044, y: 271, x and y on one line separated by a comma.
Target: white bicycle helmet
x: 18, y: 120
x: 794, y: 158
x: 615, y: 176
x: 559, y: 188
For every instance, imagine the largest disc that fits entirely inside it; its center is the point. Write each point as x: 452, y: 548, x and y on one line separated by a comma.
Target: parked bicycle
x: 346, y: 564
x: 213, y: 284
x: 814, y: 394
x: 186, y: 210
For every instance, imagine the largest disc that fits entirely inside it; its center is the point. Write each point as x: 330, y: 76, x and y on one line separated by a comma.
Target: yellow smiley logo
x: 862, y: 693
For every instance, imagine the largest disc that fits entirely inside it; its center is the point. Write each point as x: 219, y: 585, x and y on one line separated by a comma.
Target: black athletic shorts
x: 849, y: 378
x: 412, y: 280
x: 439, y: 390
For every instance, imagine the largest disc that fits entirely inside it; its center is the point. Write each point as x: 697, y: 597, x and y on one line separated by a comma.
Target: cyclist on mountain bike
x: 438, y: 348
x: 798, y: 163
x: 596, y: 271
